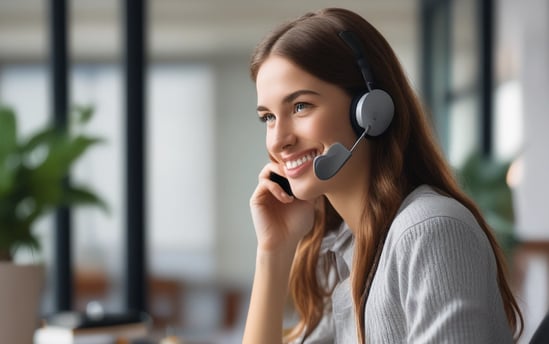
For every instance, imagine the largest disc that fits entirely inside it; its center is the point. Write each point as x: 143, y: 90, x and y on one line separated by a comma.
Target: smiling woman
x: 301, y: 105
x: 385, y: 248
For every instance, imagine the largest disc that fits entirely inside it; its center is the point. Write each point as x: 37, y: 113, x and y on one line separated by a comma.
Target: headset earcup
x: 353, y: 113
x: 374, y: 109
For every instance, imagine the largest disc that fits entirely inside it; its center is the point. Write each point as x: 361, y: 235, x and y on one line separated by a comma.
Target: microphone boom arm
x: 327, y: 165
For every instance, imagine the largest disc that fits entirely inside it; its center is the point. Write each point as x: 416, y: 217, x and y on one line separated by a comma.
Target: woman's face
x: 304, y: 116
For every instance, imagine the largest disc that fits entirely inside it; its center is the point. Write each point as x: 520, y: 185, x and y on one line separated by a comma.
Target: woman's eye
x: 300, y: 107
x: 267, y: 117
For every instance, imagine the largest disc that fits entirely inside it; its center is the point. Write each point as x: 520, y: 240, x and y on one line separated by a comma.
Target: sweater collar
x: 340, y: 242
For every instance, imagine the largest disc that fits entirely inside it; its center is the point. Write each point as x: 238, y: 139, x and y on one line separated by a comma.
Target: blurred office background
x: 481, y: 66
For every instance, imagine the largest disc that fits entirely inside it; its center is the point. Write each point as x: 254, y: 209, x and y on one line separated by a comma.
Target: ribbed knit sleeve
x: 437, y: 280
x: 447, y: 281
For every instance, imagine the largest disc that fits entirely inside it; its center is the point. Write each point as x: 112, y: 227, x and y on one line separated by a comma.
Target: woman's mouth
x: 295, y: 163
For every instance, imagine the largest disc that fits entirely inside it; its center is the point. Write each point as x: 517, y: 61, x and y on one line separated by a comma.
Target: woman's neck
x: 349, y: 202
x: 350, y: 187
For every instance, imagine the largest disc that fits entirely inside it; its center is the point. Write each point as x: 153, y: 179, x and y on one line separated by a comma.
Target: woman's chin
x: 306, y: 194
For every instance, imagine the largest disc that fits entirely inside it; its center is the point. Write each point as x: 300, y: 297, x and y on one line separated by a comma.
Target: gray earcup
x: 374, y: 109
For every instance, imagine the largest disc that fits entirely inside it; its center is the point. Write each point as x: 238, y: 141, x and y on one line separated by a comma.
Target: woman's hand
x: 280, y: 220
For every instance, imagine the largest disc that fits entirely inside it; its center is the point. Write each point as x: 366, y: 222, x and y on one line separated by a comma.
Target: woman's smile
x: 296, y: 165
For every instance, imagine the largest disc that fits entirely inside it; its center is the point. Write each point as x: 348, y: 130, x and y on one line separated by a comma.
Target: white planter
x: 20, y: 292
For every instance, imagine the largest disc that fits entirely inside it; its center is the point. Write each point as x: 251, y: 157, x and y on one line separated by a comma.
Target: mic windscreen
x: 327, y: 165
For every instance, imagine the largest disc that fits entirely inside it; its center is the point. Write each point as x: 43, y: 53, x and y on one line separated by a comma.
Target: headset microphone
x: 327, y: 165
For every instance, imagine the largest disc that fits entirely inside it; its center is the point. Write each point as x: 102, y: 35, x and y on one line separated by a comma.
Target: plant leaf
x: 8, y: 131
x: 19, y: 235
x: 7, y: 177
x: 33, y: 177
x: 63, y: 152
x: 80, y: 195
x: 8, y: 148
x: 44, y: 136
x: 83, y: 113
x: 484, y: 180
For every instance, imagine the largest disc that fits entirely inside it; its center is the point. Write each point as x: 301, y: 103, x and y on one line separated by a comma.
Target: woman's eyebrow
x: 291, y: 97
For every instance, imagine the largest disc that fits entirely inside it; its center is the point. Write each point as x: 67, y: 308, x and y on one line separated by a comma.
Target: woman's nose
x: 282, y: 136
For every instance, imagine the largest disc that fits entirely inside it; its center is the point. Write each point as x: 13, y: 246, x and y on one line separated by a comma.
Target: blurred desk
x: 525, y: 252
x: 533, y: 246
x: 527, y: 248
x: 168, y: 299
x: 90, y: 284
x: 165, y: 301
x: 165, y: 295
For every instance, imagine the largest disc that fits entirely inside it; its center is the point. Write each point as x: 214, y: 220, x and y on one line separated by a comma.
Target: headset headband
x: 351, y: 39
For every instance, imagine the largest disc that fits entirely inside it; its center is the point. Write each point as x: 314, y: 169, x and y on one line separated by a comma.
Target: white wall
x: 526, y: 53
x: 240, y: 154
x: 533, y: 211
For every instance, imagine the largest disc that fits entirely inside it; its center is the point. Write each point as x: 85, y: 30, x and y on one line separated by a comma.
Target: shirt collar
x: 340, y: 242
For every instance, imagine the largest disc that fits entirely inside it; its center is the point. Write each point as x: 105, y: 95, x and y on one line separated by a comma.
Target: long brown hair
x: 403, y: 158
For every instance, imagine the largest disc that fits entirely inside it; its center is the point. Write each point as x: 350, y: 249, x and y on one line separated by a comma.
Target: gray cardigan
x: 436, y: 281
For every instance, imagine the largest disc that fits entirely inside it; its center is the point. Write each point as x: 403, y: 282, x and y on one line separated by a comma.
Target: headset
x: 373, y: 108
x: 371, y: 114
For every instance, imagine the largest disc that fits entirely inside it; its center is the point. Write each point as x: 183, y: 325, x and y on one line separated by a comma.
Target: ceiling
x: 181, y: 29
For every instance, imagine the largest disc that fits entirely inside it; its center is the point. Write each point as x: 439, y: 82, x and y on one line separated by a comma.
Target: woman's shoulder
x: 426, y: 208
x: 432, y: 228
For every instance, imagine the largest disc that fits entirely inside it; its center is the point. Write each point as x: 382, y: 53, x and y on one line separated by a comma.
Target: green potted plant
x: 33, y: 173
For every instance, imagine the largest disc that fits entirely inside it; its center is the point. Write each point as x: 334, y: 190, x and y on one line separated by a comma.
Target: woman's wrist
x: 276, y: 252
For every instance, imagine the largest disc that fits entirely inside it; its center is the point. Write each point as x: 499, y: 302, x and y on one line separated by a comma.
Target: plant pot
x: 20, y: 293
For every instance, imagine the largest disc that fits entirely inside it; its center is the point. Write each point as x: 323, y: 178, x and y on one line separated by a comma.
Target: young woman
x: 377, y: 244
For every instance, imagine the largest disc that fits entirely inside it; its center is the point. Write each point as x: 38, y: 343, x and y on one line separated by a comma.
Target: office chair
x: 541, y: 336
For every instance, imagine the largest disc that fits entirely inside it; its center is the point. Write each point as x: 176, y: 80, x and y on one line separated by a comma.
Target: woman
x: 377, y: 244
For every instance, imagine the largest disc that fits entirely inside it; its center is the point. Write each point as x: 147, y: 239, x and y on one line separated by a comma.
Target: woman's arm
x: 449, y: 277
x: 269, y: 292
x: 280, y: 221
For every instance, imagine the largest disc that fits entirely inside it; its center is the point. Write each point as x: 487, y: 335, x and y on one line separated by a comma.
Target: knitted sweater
x: 436, y: 281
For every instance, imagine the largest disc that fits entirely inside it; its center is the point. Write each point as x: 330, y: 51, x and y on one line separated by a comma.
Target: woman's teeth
x: 300, y: 161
